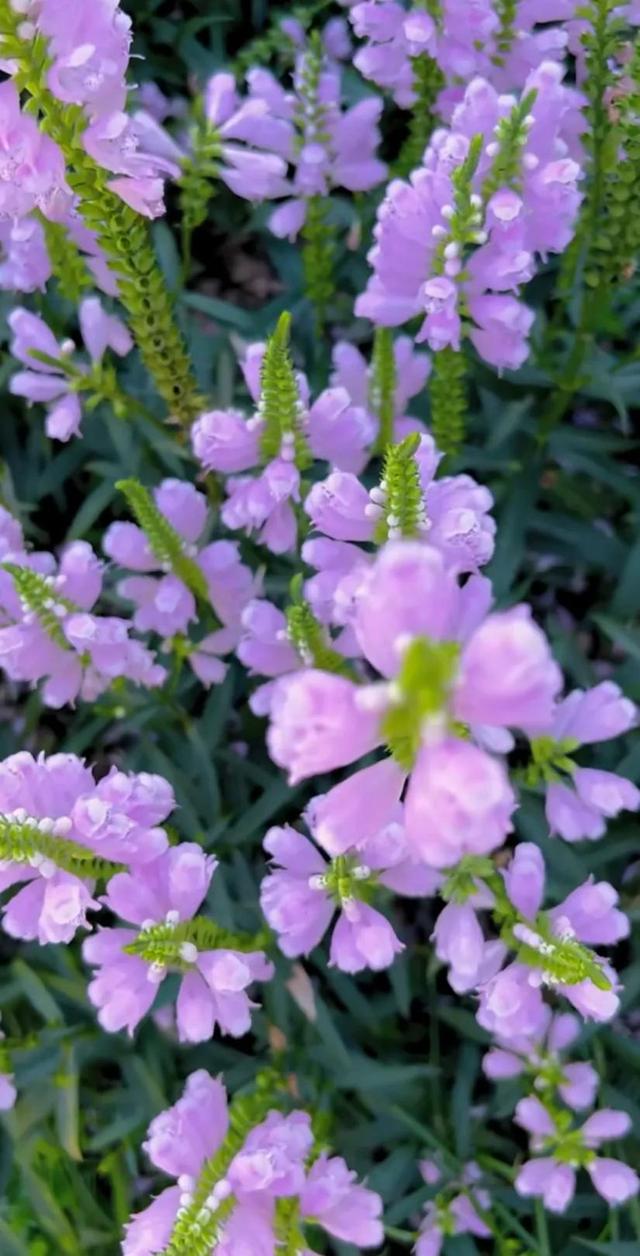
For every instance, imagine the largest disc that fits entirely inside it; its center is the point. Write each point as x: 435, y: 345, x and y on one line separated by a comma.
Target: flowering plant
x: 318, y: 655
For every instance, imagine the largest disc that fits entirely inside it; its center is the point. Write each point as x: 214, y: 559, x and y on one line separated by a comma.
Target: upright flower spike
x: 281, y: 409
x: 280, y: 441
x: 334, y: 148
x: 165, y: 542
x: 400, y: 497
x: 112, y: 208
x: 461, y: 236
x: 451, y: 514
x: 249, y: 1179
x: 310, y: 639
x: 317, y: 233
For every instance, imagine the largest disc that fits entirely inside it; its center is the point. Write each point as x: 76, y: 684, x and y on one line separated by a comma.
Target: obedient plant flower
x: 49, y: 630
x: 24, y: 260
x: 461, y: 237
x: 552, y: 949
x: 300, y: 896
x: 216, y: 967
x: 333, y: 148
x: 580, y: 800
x: 265, y: 649
x: 541, y: 1062
x: 57, y: 379
x: 395, y: 374
x: 89, y: 48
x: 248, y: 146
x: 456, y: 1209
x: 279, y: 442
x: 483, y: 39
x: 444, y: 662
x: 32, y: 172
x: 552, y: 1176
x: 59, y: 831
x: 451, y: 514
x: 242, y: 1180
x: 89, y: 57
x: 206, y: 585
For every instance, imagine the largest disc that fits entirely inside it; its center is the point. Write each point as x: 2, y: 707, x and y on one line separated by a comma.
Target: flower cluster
x: 56, y: 378
x: 60, y: 831
x: 88, y: 60
x: 459, y: 239
x: 206, y: 585
x: 31, y: 166
x: 215, y: 967
x: 331, y: 147
x: 301, y: 895
x: 49, y: 629
x: 500, y: 42
x: 458, y: 1207
x: 279, y: 441
x: 245, y: 1172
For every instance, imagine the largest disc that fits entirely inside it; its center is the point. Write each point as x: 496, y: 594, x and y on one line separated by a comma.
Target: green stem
x: 447, y: 394
x: 318, y: 250
x: 542, y: 1229
x: 122, y: 233
x: 383, y: 386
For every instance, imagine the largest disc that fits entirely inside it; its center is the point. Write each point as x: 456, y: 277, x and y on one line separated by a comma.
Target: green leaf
x: 67, y: 1105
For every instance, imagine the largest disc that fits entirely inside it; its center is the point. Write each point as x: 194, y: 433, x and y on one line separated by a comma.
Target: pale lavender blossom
x: 577, y: 1080
x: 50, y: 382
x: 213, y: 981
x: 77, y: 652
x: 455, y: 512
x: 254, y: 145
x: 270, y: 1164
x: 552, y: 1177
x: 265, y: 649
x: 502, y: 675
x: 24, y: 260
x: 32, y: 170
x: 164, y: 603
x: 336, y: 147
x: 300, y: 896
x: 417, y: 269
x: 578, y: 805
x: 331, y: 427
x: 89, y: 52
x: 116, y: 819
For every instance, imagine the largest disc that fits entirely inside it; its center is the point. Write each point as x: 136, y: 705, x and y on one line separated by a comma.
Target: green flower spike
x: 398, y: 502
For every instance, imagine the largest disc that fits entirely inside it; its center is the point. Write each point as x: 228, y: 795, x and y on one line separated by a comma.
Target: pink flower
x: 50, y: 382
x: 214, y: 981
x: 459, y: 802
x: 116, y: 819
x: 302, y: 892
x: 334, y: 1199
